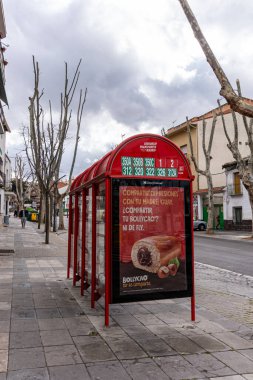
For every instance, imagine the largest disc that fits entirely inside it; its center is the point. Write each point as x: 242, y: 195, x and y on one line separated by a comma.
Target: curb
x: 239, y: 238
x: 213, y: 267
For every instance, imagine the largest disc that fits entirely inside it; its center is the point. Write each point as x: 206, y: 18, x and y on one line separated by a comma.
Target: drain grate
x: 6, y: 252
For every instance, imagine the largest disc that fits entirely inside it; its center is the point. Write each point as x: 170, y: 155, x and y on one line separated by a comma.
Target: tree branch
x: 237, y: 103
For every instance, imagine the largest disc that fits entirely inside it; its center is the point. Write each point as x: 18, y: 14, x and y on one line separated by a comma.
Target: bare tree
x: 44, y: 140
x: 19, y: 180
x: 236, y: 101
x: 243, y: 164
x: 22, y: 176
x: 61, y: 196
x: 206, y: 172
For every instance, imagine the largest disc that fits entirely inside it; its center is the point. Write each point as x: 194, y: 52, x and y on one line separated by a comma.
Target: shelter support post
x: 107, y: 249
x: 193, y: 274
x: 70, y: 231
x: 76, y: 225
x: 94, y: 249
x: 84, y: 193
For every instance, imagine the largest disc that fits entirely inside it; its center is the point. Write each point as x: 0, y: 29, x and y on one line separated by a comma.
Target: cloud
x: 141, y: 63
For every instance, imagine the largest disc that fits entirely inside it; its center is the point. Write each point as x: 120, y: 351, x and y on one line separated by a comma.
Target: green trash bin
x: 31, y: 215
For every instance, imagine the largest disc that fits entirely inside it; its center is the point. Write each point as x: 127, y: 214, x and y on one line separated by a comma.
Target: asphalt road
x: 233, y: 255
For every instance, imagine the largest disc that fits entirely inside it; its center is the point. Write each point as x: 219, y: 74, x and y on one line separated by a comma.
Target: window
x: 237, y: 184
x: 237, y: 215
x: 184, y: 149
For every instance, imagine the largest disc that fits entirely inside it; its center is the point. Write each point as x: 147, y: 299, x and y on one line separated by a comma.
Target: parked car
x: 199, y: 225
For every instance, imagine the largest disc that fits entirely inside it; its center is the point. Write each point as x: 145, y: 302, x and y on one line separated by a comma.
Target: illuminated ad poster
x: 151, y: 239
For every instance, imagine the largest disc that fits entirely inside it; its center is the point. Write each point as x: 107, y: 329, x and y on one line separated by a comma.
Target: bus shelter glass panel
x: 100, y: 237
x: 88, y: 238
x: 79, y: 241
x: 152, y: 255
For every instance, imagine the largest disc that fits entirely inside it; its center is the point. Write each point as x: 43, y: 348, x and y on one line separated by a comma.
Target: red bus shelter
x: 131, y: 224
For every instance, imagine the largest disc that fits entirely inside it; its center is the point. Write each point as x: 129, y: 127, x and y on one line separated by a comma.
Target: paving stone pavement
x: 48, y: 331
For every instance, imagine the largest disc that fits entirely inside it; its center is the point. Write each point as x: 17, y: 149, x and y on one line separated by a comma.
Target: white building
x: 220, y: 156
x: 5, y: 164
x: 5, y: 168
x: 237, y: 210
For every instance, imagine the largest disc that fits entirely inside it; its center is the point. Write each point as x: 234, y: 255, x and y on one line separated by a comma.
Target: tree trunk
x: 61, y: 215
x: 210, y: 205
x: 41, y: 210
x: 47, y: 221
x: 51, y: 205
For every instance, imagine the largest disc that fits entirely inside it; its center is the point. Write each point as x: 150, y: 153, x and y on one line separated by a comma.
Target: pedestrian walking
x: 23, y: 218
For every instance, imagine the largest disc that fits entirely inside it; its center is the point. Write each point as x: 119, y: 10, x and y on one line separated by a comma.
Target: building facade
x: 237, y: 209
x: 220, y: 155
x: 5, y: 168
x: 5, y: 163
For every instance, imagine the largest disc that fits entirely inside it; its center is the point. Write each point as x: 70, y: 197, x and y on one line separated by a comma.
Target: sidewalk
x: 227, y: 235
x: 47, y: 331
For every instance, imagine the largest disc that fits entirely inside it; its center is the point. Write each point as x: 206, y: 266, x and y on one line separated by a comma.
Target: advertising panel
x: 152, y: 239
x: 153, y: 259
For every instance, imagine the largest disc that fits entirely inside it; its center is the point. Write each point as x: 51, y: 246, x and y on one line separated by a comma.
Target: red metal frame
x: 104, y: 170
x: 84, y: 193
x: 120, y: 147
x: 94, y: 246
x: 76, y: 227
x: 70, y: 228
x: 69, y: 236
x: 107, y: 249
x: 193, y: 308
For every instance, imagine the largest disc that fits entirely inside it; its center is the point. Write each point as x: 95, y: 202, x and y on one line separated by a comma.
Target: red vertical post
x: 107, y: 249
x: 76, y: 222
x: 84, y: 192
x: 70, y: 231
x: 94, y: 242
x: 193, y: 274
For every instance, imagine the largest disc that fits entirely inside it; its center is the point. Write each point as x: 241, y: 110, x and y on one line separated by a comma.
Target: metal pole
x: 107, y: 250
x: 94, y: 250
x: 192, y: 239
x: 69, y: 236
x: 75, y: 239
x: 84, y: 192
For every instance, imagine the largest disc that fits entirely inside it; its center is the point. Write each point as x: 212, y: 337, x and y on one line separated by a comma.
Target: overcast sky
x: 142, y: 66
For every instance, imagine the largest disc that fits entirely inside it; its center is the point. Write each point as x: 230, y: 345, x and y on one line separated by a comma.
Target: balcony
x: 5, y: 183
x: 2, y: 179
x: 234, y: 189
x: 3, y: 62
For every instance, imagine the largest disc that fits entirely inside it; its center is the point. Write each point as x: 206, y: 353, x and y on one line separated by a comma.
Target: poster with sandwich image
x: 152, y: 239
